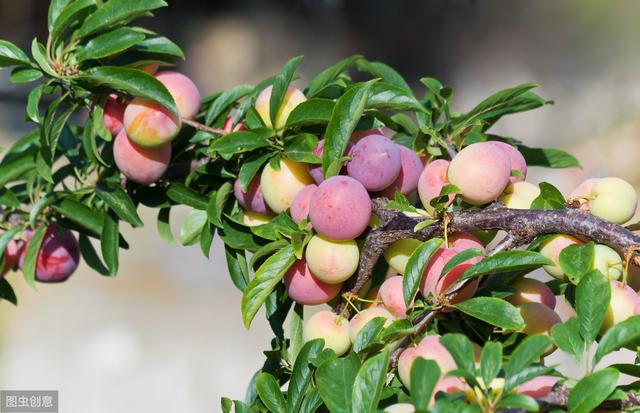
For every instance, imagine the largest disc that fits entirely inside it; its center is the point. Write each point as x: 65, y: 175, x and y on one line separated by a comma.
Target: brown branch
x: 201, y: 127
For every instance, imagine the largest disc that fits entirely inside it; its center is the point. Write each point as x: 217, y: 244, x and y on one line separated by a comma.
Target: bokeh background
x: 166, y: 335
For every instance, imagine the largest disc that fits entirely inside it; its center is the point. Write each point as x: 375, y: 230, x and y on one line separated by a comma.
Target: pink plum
x: 410, y: 170
x: 184, y: 92
x: 148, y: 124
x: 392, y: 296
x: 304, y: 288
x: 529, y: 290
x: 428, y: 349
x: 252, y: 199
x: 432, y: 179
x: 375, y: 162
x: 516, y: 159
x: 140, y: 164
x: 113, y: 117
x: 300, y: 204
x: 58, y: 257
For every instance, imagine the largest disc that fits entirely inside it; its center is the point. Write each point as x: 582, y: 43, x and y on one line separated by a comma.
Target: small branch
x: 201, y: 127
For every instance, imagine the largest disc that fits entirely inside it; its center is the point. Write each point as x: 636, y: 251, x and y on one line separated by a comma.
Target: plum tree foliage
x: 412, y: 221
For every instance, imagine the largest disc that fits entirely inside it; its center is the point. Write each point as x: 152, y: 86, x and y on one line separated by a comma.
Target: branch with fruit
x: 409, y: 219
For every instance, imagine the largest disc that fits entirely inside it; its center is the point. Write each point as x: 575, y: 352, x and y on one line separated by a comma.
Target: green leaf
x: 80, y: 214
x: 296, y: 340
x: 109, y: 44
x: 425, y: 374
x: 518, y: 401
x: 181, y: 194
x: 367, y: 335
x: 266, y: 278
x: 164, y: 226
x: 527, y: 352
x: 115, y: 12
x: 461, y: 350
x: 327, y: 76
x: 7, y: 293
x: 494, y: 311
x: 31, y: 255
x: 576, y: 260
x: 40, y: 56
x: 280, y: 86
x: 131, y: 81
x: 385, y: 72
x: 504, y: 261
x: 300, y: 148
x: 567, y: 337
x: 459, y: 258
x: 15, y: 167
x: 367, y: 387
x: 237, y: 265
x: 386, y: 96
x: 109, y: 243
x: 270, y: 393
x: 592, y: 390
x: 592, y: 300
x: 238, y: 142
x: 216, y: 202
x: 225, y: 100
x: 618, y: 336
x: 301, y: 375
x: 33, y: 101
x: 311, y: 402
x: 192, y: 226
x: 344, y: 119
x: 311, y: 112
x: 12, y: 55
x: 24, y: 75
x: 66, y: 16
x: 90, y: 256
x: 490, y: 361
x: 55, y: 7
x: 250, y: 167
x: 415, y: 268
x: 548, y: 157
x: 335, y: 378
x: 121, y: 203
x: 496, y: 103
x: 550, y: 198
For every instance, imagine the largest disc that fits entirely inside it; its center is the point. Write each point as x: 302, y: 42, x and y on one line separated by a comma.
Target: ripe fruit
x: 229, y: 122
x: 392, y: 296
x: 435, y: 287
x: 332, y: 261
x: 253, y: 219
x: 300, y: 204
x: 304, y: 288
x: 432, y: 179
x: 538, y: 318
x: 621, y: 306
x: 251, y: 200
x: 292, y: 98
x: 315, y: 170
x: 361, y: 319
x: 280, y: 186
x: 11, y: 255
x: 410, y: 170
x: 330, y: 327
x: 517, y: 161
x: 140, y: 164
x: 613, y: 199
x: 397, y: 255
x: 429, y: 349
x: 184, y: 92
x: 583, y: 192
x: 481, y: 171
x: 375, y: 162
x: 464, y: 240
x: 58, y: 257
x: 608, y: 262
x: 551, y: 249
x: 113, y: 117
x: 150, y: 125
x: 520, y: 195
x: 400, y: 408
x: 447, y: 385
x: 529, y: 290
x: 340, y: 208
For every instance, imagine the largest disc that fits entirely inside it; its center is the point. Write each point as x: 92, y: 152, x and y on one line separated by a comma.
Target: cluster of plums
x: 57, y: 259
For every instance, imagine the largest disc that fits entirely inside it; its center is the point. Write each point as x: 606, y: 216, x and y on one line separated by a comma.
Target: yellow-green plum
x: 520, y: 195
x: 481, y: 171
x: 516, y: 159
x: 392, y: 296
x: 613, y: 199
x: 538, y: 318
x: 608, y: 262
x: 184, y: 92
x: 400, y: 408
x: 475, y: 396
x: 300, y: 204
x: 252, y: 199
x: 431, y: 181
x: 304, y: 288
x: 375, y: 162
x: 280, y: 186
x: 551, y: 249
x: 140, y: 164
x: 253, y: 219
x: 429, y: 348
x: 529, y: 290
x: 397, y: 255
x: 340, y: 209
x: 538, y: 387
x: 149, y: 124
x: 332, y: 328
x: 113, y: 117
x: 410, y: 170
x: 622, y: 305
x: 361, y: 319
x: 332, y: 261
x: 292, y: 98
x: 583, y: 192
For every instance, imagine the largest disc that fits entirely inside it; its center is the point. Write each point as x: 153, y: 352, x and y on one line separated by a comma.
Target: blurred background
x: 166, y: 335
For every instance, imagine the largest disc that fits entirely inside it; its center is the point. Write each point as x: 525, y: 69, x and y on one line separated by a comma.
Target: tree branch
x: 201, y: 127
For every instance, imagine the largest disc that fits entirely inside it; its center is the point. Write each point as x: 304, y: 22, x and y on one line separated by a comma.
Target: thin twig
x: 201, y: 127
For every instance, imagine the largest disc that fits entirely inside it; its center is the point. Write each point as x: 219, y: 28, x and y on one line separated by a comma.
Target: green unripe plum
x: 608, y: 262
x: 292, y: 98
x: 332, y: 328
x: 529, y: 290
x: 139, y: 164
x: 332, y: 261
x: 613, y: 199
x: 428, y: 349
x: 392, y: 296
x: 397, y: 255
x: 481, y: 171
x: 400, y: 408
x: 520, y: 195
x: 551, y: 249
x: 361, y: 319
x: 622, y: 305
x: 253, y: 219
x: 538, y: 318
x: 280, y: 186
